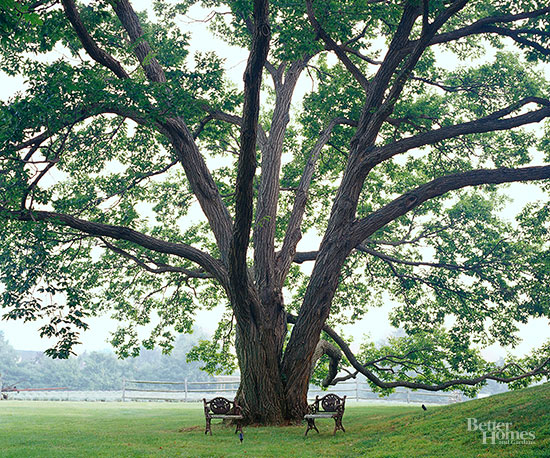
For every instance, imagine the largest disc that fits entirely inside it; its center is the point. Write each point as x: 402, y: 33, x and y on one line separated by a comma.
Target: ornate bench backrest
x: 329, y: 403
x: 221, y: 406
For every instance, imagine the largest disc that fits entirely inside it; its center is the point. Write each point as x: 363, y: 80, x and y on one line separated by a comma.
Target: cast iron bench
x: 332, y: 406
x: 224, y: 409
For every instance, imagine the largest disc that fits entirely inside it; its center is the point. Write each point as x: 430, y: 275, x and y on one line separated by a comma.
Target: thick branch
x: 207, y: 262
x: 142, y: 50
x: 176, y: 130
x: 293, y: 233
x: 400, y: 206
x: 428, y: 32
x: 268, y: 196
x: 365, y: 133
x: 244, y: 195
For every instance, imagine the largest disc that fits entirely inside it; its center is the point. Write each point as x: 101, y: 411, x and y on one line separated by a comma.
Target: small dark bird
x: 424, y: 407
x: 241, y: 437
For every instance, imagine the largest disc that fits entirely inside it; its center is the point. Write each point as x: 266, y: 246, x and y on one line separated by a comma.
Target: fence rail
x: 357, y: 390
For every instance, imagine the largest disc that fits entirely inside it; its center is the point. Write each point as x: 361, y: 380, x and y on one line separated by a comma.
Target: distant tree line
x: 96, y: 370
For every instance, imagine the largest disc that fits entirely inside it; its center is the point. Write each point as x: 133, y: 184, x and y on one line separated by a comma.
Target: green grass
x: 70, y: 429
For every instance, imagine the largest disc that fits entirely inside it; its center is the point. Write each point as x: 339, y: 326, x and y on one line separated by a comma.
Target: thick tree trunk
x: 259, y: 345
x: 262, y: 393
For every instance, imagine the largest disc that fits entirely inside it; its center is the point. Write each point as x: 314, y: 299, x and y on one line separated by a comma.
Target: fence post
x: 123, y: 389
x: 408, y: 396
x: 185, y: 390
x: 356, y: 390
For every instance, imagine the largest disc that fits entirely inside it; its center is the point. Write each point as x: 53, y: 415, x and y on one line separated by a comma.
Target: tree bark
x: 259, y: 346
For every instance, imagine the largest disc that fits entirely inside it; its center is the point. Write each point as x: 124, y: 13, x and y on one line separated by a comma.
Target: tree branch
x: 176, y: 130
x: 365, y: 134
x: 161, y: 267
x: 490, y: 123
x: 478, y: 27
x: 91, y: 47
x: 236, y: 120
x: 124, y: 189
x: 361, y: 247
x: 207, y: 262
x: 324, y: 347
x: 293, y: 234
x: 333, y: 46
x: 428, y: 32
x: 49, y: 165
x: 265, y: 269
x: 542, y: 369
x: 142, y: 50
x: 361, y: 56
x: 239, y: 278
x: 365, y: 227
x: 516, y: 36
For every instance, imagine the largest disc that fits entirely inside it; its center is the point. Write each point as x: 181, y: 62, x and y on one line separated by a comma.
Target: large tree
x: 393, y: 158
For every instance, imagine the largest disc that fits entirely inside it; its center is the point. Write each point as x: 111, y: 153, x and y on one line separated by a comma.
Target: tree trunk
x: 259, y: 350
x: 262, y: 392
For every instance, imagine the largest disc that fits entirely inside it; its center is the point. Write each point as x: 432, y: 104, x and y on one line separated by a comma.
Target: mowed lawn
x: 69, y: 429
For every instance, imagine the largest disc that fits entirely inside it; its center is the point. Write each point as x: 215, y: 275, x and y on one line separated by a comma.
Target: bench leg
x: 208, y: 426
x: 338, y: 425
x: 239, y: 428
x: 311, y: 425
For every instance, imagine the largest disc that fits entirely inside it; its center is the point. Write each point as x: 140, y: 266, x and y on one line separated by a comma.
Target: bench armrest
x: 313, y: 408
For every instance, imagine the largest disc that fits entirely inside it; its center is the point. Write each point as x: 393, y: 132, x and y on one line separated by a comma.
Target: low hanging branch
x: 324, y: 347
x: 541, y: 369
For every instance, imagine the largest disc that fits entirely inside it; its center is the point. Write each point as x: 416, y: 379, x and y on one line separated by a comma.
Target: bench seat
x: 319, y: 415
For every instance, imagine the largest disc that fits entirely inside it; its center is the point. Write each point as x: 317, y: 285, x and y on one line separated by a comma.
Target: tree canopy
x: 394, y: 158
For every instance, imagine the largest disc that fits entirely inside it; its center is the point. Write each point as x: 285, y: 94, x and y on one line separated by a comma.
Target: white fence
x: 147, y: 390
x: 186, y: 391
x: 357, y: 390
x: 69, y: 395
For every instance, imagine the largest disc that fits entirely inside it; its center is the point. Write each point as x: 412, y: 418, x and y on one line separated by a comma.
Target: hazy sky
x: 25, y: 336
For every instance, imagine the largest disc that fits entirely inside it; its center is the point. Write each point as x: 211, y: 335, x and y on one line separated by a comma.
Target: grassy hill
x: 66, y: 429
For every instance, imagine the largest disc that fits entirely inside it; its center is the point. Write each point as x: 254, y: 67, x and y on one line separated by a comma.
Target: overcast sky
x: 24, y: 336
